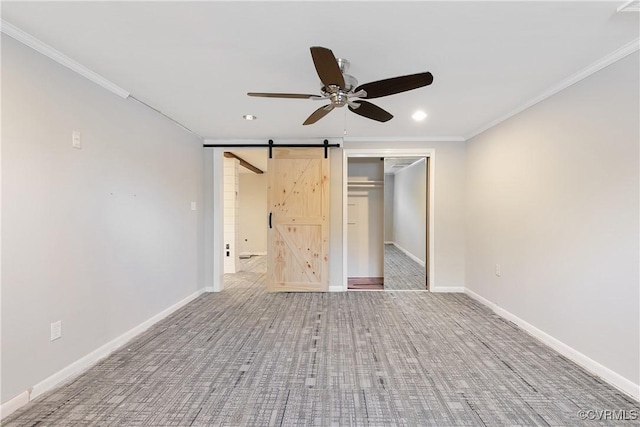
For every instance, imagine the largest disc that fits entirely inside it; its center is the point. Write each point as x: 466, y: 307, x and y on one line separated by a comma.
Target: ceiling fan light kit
x: 342, y: 89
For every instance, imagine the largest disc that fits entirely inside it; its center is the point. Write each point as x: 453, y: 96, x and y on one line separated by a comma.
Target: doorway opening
x: 244, y: 215
x: 388, y: 218
x: 281, y: 215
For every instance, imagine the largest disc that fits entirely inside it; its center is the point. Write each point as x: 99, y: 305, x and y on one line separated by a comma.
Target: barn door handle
x: 270, y: 213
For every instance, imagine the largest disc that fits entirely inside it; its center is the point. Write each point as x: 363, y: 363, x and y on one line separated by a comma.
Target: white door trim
x: 217, y: 221
x: 391, y: 152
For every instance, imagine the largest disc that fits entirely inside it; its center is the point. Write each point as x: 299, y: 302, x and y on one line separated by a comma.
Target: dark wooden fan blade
x: 282, y: 95
x: 318, y: 114
x: 395, y: 85
x: 327, y: 66
x: 371, y: 111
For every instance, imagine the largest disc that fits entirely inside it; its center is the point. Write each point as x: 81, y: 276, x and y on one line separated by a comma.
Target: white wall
x: 252, y: 222
x: 365, y: 234
x: 101, y: 238
x: 553, y: 198
x: 389, y: 180
x: 410, y: 210
x: 449, y: 255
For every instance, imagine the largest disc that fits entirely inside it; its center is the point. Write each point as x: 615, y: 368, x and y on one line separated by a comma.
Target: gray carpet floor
x: 243, y: 357
x: 401, y: 272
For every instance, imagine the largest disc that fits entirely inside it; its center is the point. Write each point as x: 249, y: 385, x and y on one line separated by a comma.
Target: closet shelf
x: 365, y: 183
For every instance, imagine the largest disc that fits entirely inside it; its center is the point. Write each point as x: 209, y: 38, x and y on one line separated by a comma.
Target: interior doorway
x: 275, y: 205
x: 244, y: 214
x: 388, y: 218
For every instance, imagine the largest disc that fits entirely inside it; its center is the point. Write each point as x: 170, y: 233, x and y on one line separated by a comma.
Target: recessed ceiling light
x: 419, y: 116
x: 249, y: 117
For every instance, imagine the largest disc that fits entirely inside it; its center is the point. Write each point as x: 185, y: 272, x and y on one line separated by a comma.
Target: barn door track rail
x: 271, y: 145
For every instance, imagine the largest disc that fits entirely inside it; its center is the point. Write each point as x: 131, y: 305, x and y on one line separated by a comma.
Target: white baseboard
x: 480, y: 299
x: 209, y: 289
x: 336, y: 288
x: 409, y: 254
x: 14, y: 404
x: 451, y: 289
x: 388, y: 243
x: 84, y: 363
x: 589, y: 364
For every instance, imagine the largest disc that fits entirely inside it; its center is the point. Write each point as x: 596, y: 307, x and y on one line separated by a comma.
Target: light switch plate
x: 56, y: 330
x: 193, y: 206
x: 76, y: 139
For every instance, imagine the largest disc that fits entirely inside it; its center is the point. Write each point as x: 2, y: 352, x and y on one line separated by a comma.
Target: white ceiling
x: 195, y: 61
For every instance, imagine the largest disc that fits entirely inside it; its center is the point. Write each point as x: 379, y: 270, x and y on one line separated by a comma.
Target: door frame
x: 214, y: 211
x: 213, y: 219
x: 393, y: 152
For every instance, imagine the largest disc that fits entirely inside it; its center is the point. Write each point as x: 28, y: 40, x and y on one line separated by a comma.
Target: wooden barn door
x: 298, y: 239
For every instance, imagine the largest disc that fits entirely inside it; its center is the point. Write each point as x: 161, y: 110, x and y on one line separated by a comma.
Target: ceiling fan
x: 341, y: 88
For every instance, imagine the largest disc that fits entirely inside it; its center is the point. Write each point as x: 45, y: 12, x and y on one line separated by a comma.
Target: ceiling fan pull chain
x: 345, y: 122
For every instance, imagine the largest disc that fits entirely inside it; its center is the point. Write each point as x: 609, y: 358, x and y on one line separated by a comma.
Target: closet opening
x: 387, y: 223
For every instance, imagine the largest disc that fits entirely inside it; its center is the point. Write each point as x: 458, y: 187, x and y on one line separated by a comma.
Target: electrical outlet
x: 56, y: 330
x: 193, y: 206
x: 498, y: 270
x: 76, y: 140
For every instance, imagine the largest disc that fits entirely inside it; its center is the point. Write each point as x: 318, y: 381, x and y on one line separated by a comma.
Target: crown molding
x: 39, y: 46
x: 630, y: 6
x: 609, y: 59
x: 375, y: 139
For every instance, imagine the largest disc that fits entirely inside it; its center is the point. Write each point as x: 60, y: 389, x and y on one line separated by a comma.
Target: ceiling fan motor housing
x: 350, y: 82
x: 338, y: 99
x: 338, y: 95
